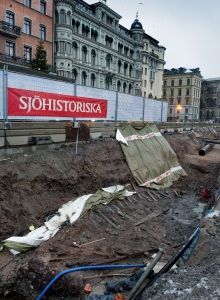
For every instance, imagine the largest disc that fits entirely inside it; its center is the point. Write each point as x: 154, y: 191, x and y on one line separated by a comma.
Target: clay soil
x: 33, y: 186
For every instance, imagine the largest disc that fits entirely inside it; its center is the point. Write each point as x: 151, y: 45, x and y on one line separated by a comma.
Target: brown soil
x: 34, y: 186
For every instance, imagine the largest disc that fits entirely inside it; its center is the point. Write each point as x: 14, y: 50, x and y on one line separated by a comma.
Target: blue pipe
x: 86, y: 268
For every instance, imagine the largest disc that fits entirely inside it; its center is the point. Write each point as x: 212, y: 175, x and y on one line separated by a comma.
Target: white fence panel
x: 1, y: 96
x: 165, y: 111
x: 86, y: 91
x: 130, y: 107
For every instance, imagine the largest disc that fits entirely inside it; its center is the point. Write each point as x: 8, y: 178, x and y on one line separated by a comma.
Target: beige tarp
x: 150, y: 158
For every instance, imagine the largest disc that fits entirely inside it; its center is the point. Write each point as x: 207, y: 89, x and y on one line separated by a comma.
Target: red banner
x: 32, y: 103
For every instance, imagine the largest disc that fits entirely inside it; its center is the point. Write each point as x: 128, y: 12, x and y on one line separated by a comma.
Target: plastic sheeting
x: 69, y: 213
x: 150, y: 158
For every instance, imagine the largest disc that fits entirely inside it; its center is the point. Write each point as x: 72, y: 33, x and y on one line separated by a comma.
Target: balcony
x: 9, y: 30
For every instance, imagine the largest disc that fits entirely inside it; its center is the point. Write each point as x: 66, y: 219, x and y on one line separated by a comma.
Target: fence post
x: 5, y: 93
x: 116, y: 107
x: 143, y: 112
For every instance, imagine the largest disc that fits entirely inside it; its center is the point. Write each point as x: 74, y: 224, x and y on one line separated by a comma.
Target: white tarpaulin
x: 70, y: 212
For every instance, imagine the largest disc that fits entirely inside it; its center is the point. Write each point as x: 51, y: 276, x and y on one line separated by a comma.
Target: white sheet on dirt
x: 68, y: 213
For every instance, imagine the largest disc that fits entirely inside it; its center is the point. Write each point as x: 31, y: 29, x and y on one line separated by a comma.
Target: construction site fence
x: 121, y: 106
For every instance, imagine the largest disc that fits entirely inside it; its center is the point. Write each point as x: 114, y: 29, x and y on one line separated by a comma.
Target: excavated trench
x: 34, y: 186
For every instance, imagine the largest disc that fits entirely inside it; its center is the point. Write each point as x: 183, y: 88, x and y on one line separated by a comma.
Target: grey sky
x: 189, y: 29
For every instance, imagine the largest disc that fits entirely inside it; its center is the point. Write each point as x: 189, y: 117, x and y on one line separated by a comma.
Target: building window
x: 179, y: 92
x: 172, y: 92
x: 187, y: 92
x: 108, y: 61
x: 119, y: 66
x: 68, y: 18
x: 171, y: 110
x: 62, y: 17
x: 172, y: 82
x: 171, y: 101
x: 108, y: 82
x: 119, y: 86
x: 10, y: 18
x: 94, y: 34
x: 164, y: 83
x: 130, y: 71
x: 43, y: 7
x: 124, y: 87
x: 75, y: 74
x: 93, y: 80
x: 75, y: 50
x: 27, y: 26
x: 108, y: 41
x: 27, y: 3
x: 179, y: 100
x: 43, y: 32
x: 27, y: 54
x: 188, y: 81
x: 186, y: 110
x: 93, y: 57
x: 180, y: 82
x: 125, y: 68
x: 10, y: 49
x: 164, y: 93
x: 84, y: 54
x: 145, y: 83
x: 145, y: 71
x: 84, y: 78
x: 130, y: 89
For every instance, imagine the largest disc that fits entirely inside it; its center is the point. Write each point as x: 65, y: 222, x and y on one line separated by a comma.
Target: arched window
x: 130, y: 89
x: 119, y: 86
x: 93, y: 80
x: 75, y: 50
x: 77, y: 27
x: 62, y: 17
x: 93, y: 57
x: 108, y: 61
x: 119, y: 66
x: 130, y: 71
x: 75, y: 74
x: 108, y: 83
x: 125, y: 68
x: 56, y: 17
x: 68, y: 18
x: 84, y: 54
x: 124, y: 87
x: 84, y: 78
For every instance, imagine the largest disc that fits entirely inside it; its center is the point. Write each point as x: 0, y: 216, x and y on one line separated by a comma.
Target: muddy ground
x: 34, y: 186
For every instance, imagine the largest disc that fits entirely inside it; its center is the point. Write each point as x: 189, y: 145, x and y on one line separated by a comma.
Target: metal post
x: 77, y: 139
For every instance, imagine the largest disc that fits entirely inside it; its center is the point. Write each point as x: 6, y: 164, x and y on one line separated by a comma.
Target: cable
x: 86, y: 268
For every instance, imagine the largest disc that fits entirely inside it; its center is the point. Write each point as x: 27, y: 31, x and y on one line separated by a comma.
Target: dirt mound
x: 33, y: 187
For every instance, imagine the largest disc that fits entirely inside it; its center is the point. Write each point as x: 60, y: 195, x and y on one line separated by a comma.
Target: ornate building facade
x: 95, y: 50
x: 182, y: 90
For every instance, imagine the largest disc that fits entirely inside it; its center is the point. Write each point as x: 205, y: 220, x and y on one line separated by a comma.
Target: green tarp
x: 150, y: 158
